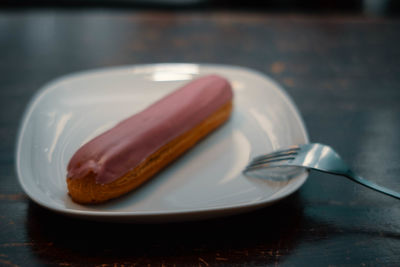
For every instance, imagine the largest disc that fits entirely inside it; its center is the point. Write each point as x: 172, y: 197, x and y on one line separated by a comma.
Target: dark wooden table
x: 343, y: 72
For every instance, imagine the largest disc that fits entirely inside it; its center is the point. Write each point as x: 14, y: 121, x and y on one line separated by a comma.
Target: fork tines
x: 280, y: 155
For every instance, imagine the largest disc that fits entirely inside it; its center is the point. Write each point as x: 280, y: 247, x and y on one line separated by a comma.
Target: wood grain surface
x: 343, y: 72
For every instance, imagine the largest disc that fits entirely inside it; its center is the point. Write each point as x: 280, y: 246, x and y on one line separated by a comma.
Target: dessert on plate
x: 129, y: 154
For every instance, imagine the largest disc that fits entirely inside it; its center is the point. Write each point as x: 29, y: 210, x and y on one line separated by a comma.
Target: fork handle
x: 362, y: 181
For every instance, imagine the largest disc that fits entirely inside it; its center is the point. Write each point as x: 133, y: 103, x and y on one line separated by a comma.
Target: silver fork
x: 284, y: 164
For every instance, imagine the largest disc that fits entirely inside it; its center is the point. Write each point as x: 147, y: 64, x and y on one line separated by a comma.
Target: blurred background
x: 367, y: 7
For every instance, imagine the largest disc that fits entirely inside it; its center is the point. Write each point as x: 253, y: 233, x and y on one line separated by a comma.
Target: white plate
x: 206, y: 182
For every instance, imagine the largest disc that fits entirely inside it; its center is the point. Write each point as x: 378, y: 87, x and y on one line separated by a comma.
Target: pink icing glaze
x: 120, y: 149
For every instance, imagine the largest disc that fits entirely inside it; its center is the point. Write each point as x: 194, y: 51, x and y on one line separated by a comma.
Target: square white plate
x: 206, y: 182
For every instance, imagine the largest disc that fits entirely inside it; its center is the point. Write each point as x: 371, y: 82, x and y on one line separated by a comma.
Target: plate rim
x: 184, y: 214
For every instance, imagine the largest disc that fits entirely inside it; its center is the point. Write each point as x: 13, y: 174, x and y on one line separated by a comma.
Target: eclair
x: 134, y: 150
